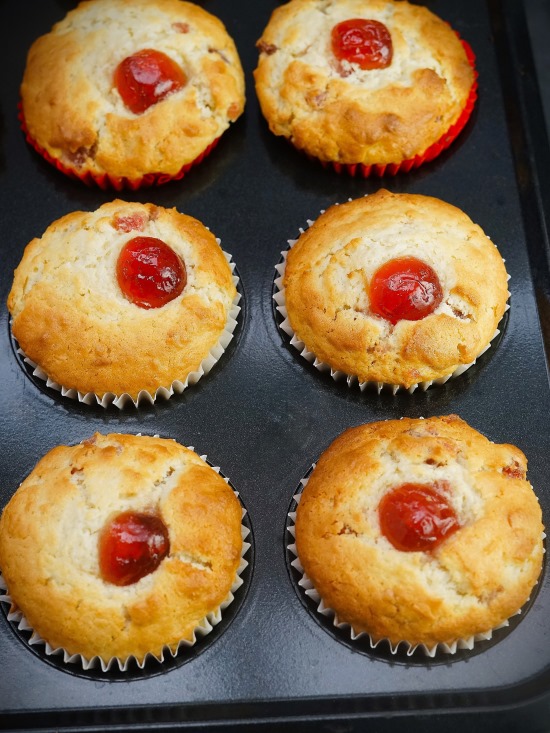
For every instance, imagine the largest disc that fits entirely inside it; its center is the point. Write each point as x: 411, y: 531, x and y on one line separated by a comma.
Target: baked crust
x: 70, y: 317
x: 329, y: 269
x: 73, y: 110
x: 475, y: 580
x: 49, y: 537
x: 375, y: 116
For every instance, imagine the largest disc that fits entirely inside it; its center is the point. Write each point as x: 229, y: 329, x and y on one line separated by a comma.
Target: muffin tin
x: 265, y: 415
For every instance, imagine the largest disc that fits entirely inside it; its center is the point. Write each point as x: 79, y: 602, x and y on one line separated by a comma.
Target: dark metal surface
x: 264, y: 415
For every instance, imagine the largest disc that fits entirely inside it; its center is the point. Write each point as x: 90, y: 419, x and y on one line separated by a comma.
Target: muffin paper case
x: 435, y: 149
x: 352, y: 380
x: 309, y: 590
x: 177, y: 386
x: 205, y: 626
x: 106, y: 181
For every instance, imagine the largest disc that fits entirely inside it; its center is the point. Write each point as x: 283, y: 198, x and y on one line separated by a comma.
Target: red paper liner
x: 435, y: 149
x: 106, y: 181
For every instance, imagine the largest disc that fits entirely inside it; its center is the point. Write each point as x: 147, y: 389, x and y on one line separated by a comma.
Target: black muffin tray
x: 264, y: 415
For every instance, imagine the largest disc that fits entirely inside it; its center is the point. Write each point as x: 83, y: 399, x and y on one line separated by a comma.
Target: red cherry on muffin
x: 514, y: 471
x: 130, y: 222
x: 404, y: 288
x: 131, y: 546
x: 149, y: 273
x: 366, y: 43
x: 146, y: 77
x: 416, y: 518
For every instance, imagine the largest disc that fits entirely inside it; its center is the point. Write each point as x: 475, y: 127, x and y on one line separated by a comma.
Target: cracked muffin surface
x: 472, y: 582
x: 328, y: 277
x: 70, y: 316
x: 49, y: 534
x: 337, y: 111
x: 74, y: 111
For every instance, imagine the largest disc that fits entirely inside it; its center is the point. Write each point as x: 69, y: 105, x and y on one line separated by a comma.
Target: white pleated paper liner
x: 362, y: 641
x: 339, y: 376
x: 144, y: 397
x: 151, y: 664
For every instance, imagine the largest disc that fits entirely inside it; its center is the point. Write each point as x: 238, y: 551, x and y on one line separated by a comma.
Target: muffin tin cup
x: 339, y: 376
x: 106, y: 181
x: 203, y: 628
x: 307, y: 587
x: 144, y: 397
x: 435, y: 149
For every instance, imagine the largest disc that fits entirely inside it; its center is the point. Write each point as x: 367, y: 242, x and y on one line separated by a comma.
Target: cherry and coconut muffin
x: 393, y: 289
x: 131, y: 92
x: 369, y: 86
x: 131, y: 299
x: 420, y: 531
x: 121, y: 547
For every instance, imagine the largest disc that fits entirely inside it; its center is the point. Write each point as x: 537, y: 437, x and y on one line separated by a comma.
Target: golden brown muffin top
x: 329, y: 269
x: 71, y: 318
x: 72, y: 107
x: 472, y: 582
x: 348, y: 115
x: 49, y: 545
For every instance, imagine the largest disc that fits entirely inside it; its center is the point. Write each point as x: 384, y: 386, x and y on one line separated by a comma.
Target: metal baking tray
x: 264, y: 415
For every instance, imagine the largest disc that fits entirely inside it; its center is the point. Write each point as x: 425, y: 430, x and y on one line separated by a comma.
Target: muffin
x: 370, y: 86
x: 121, y: 547
x: 420, y: 531
x: 130, y: 299
x: 395, y: 289
x: 131, y: 92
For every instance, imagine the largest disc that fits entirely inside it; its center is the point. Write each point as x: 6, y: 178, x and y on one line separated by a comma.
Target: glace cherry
x: 146, y: 77
x: 149, y: 273
x: 366, y: 43
x: 404, y: 289
x: 131, y: 546
x: 416, y: 518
